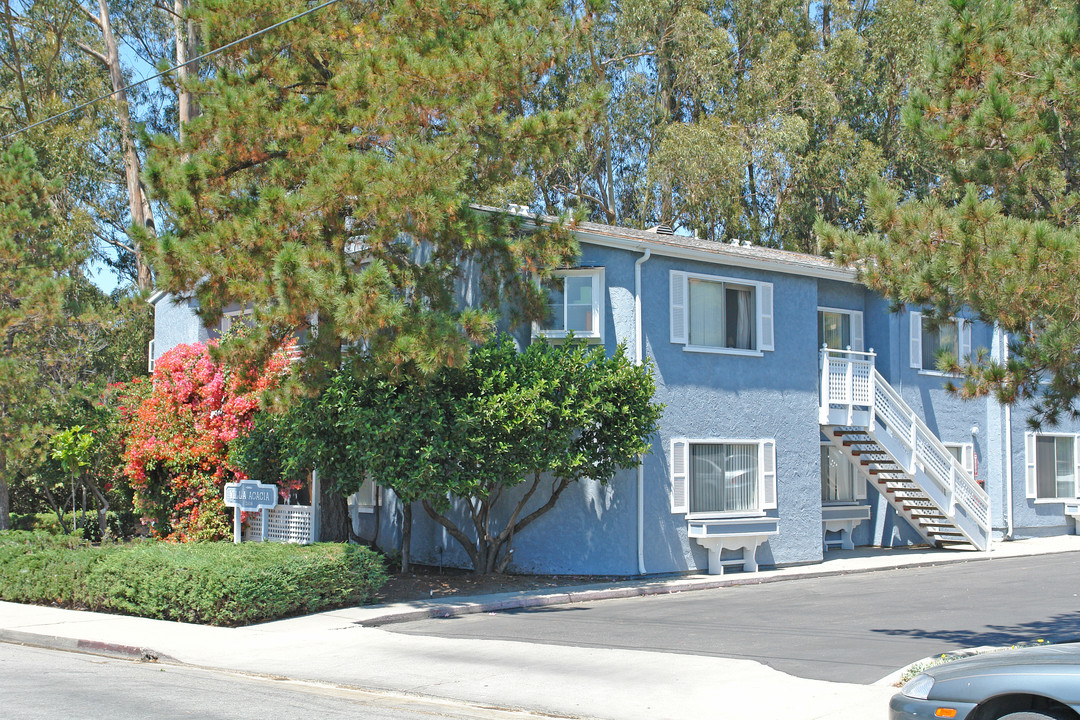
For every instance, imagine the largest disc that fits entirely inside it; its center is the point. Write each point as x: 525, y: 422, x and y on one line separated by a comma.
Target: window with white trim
x: 928, y: 340
x: 718, y: 314
x: 575, y: 305
x: 366, y: 498
x: 840, y: 481
x: 964, y: 453
x: 840, y: 329
x: 232, y: 317
x: 1052, y: 469
x: 723, y: 477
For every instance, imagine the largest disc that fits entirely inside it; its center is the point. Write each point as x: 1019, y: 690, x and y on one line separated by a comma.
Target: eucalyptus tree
x: 739, y: 119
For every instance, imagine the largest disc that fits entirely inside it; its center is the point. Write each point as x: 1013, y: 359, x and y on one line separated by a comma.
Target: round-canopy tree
x: 496, y: 441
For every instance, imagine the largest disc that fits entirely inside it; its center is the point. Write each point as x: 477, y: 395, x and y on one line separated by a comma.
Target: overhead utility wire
x: 145, y: 80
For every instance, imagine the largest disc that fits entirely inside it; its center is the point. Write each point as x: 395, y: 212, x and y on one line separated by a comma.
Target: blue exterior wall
x: 593, y: 528
x: 175, y: 322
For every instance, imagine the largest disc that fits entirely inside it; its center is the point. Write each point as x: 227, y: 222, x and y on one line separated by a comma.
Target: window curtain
x: 742, y: 333
x: 723, y: 478
x: 937, y: 339
x: 837, y: 477
x: 706, y: 301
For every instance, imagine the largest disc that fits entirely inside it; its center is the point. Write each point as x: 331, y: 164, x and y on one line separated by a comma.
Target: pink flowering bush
x: 176, y: 458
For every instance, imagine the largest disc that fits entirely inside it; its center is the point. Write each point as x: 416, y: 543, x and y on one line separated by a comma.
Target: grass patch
x: 209, y: 583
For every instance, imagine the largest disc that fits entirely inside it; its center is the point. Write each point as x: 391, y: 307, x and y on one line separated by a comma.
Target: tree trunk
x: 5, y: 505
x: 186, y: 48
x: 141, y: 215
x: 333, y: 515
x: 406, y: 536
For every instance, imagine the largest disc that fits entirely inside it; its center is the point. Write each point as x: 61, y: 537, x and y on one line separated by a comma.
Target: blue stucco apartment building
x: 771, y: 449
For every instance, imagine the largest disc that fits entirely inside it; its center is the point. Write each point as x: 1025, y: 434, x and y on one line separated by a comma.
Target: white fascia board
x: 659, y: 248
x: 157, y: 296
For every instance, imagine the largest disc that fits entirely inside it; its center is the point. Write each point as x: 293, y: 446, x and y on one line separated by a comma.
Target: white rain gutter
x: 638, y: 358
x: 1008, y: 448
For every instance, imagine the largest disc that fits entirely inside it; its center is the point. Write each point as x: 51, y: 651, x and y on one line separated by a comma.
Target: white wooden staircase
x: 866, y: 419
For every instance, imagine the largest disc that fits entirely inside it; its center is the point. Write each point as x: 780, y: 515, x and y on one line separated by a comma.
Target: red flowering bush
x: 176, y: 458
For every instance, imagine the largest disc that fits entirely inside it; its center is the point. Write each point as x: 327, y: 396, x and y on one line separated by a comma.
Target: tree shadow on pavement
x: 1059, y: 628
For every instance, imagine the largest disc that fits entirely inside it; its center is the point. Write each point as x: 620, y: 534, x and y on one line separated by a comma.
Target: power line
x: 145, y: 80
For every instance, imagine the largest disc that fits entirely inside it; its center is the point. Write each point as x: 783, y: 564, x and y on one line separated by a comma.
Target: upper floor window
x: 840, y: 329
x: 233, y: 317
x: 718, y: 477
x: 930, y: 340
x: 715, y: 314
x: 1052, y: 470
x: 575, y: 305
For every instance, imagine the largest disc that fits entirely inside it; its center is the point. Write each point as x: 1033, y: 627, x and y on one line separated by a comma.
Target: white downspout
x: 1008, y: 448
x: 638, y: 358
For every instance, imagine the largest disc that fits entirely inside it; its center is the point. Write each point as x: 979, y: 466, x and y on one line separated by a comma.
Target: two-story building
x: 800, y: 414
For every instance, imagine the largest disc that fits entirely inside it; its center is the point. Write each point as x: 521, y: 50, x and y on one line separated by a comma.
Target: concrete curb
x: 567, y: 596
x: 90, y: 647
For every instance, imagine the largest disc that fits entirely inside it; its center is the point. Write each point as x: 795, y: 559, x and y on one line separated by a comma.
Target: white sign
x: 249, y: 496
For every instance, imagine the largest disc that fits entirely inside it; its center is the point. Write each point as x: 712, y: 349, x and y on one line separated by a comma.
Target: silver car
x: 1039, y: 683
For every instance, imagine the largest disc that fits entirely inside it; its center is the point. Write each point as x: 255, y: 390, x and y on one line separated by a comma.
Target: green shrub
x: 121, y: 525
x: 210, y: 583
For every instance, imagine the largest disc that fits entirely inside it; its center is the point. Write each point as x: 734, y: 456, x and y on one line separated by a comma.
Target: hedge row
x: 121, y: 525
x: 209, y: 583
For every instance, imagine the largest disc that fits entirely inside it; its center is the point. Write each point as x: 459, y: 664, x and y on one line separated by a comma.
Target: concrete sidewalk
x: 336, y: 647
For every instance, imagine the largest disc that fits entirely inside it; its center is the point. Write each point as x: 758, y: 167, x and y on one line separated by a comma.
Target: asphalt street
x: 847, y: 628
x: 48, y: 684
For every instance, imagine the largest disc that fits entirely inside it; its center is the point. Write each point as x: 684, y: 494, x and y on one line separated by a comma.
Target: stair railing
x: 850, y: 383
x: 928, y: 452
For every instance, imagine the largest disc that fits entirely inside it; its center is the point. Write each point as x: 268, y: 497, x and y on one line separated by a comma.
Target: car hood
x: 1062, y: 656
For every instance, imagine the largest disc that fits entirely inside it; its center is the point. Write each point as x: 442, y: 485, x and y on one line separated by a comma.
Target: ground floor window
x: 723, y: 476
x: 1052, y: 466
x: 839, y: 480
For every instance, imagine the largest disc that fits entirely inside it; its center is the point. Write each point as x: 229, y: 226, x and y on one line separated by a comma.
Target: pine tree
x: 37, y: 260
x: 996, y: 231
x: 327, y: 182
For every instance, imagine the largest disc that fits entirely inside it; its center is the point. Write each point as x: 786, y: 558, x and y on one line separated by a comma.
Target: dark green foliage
x: 997, y: 232
x: 540, y: 419
x: 210, y: 583
x: 120, y: 525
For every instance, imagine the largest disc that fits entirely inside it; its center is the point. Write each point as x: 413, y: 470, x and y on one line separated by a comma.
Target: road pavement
x: 843, y: 628
x: 37, y: 683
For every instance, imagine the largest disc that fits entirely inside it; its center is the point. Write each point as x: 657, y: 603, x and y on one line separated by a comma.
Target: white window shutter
x: 150, y: 354
x: 963, y: 331
x: 1029, y: 452
x: 860, y: 484
x: 916, y: 340
x: 680, y: 502
x: 767, y: 476
x: 856, y: 331
x: 678, y: 307
x: 765, y: 316
x: 1076, y: 473
x: 967, y: 452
